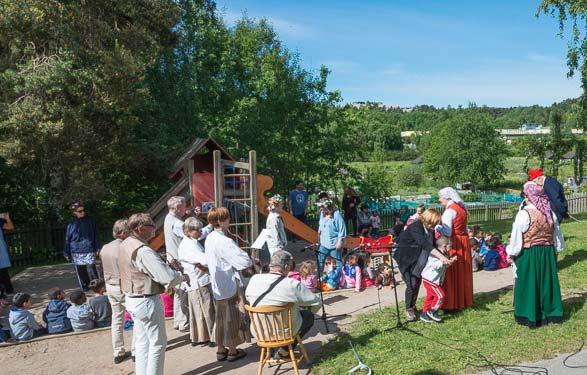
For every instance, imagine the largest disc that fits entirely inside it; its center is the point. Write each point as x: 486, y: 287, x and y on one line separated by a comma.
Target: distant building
x: 531, y: 126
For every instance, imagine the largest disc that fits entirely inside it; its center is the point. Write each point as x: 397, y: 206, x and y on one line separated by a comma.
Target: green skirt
x: 537, y: 295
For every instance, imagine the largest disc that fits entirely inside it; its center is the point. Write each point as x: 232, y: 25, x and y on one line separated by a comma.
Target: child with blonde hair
x: 432, y: 277
x: 276, y: 238
x: 308, y: 275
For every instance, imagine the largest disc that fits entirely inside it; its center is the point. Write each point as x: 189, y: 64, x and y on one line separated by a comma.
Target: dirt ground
x: 91, y: 352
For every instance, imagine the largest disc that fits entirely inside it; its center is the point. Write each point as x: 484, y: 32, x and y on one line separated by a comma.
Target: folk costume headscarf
x: 538, y: 198
x: 450, y: 194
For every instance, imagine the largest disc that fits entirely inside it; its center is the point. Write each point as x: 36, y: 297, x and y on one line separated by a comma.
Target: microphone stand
x: 317, y: 252
x: 398, y: 323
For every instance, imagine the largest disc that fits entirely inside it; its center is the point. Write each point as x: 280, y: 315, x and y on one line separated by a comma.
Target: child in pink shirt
x: 308, y: 275
x: 353, y: 273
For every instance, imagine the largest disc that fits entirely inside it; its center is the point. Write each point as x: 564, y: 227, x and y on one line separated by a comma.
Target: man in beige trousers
x: 109, y: 256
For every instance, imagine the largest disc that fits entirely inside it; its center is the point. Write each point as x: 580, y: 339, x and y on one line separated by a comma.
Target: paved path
x: 90, y: 353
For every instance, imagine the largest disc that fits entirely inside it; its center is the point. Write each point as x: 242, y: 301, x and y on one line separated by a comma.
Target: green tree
x: 464, y: 149
x: 572, y: 14
x: 71, y: 88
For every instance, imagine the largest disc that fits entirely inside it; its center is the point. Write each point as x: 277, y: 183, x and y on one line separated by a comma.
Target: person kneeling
x: 275, y: 289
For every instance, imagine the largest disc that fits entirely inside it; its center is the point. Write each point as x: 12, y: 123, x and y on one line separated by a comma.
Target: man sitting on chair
x: 275, y: 289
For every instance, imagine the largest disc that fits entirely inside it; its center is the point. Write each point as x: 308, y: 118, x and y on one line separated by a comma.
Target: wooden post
x: 253, y: 187
x: 486, y: 212
x: 189, y: 170
x: 218, y: 178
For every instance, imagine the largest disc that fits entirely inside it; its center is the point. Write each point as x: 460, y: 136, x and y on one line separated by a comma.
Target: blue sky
x: 413, y: 52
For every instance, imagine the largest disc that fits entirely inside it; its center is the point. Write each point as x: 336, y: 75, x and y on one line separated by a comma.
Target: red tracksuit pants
x: 434, y: 296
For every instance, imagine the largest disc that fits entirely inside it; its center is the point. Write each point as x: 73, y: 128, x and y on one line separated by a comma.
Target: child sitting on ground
x: 308, y: 275
x: 491, y: 258
x: 332, y: 274
x: 353, y: 273
x: 375, y: 224
x: 55, y: 315
x: 23, y: 325
x: 80, y: 313
x: 384, y: 276
x: 100, y: 304
x: 503, y: 256
x: 432, y: 277
x: 477, y: 259
x: 479, y: 235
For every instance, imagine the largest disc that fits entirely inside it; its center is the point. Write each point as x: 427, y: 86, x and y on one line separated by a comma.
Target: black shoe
x: 195, y: 343
x: 432, y: 314
x: 133, y: 358
x: 121, y: 358
x: 212, y: 344
x: 425, y: 318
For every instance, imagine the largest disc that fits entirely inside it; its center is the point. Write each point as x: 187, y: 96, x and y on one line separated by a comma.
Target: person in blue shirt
x: 298, y: 201
x: 5, y: 224
x: 55, y: 315
x: 332, y: 275
x: 491, y: 258
x: 82, y: 243
x: 332, y: 232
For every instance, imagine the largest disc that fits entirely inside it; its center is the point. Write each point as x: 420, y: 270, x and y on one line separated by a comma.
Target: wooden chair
x: 273, y: 329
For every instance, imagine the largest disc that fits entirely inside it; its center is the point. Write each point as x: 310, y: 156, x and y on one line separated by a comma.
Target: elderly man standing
x: 109, y: 256
x: 283, y: 290
x: 173, y: 230
x: 143, y: 276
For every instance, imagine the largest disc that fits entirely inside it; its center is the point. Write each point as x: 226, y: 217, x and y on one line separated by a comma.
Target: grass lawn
x: 462, y: 342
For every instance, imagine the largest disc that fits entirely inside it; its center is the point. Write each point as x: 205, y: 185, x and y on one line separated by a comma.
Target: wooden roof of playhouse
x: 197, y: 160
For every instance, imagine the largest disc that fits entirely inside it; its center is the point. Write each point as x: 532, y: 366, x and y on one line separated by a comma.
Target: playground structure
x: 208, y: 176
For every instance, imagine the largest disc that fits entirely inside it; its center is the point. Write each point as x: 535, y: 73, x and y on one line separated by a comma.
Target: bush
x: 410, y: 176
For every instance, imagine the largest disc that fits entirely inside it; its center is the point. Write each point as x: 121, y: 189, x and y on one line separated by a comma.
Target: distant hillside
x: 424, y: 117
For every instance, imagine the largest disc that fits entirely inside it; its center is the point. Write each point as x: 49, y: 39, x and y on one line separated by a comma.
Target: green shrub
x: 410, y: 176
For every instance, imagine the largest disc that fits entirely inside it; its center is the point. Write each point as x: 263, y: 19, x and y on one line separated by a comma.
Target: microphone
x: 308, y: 247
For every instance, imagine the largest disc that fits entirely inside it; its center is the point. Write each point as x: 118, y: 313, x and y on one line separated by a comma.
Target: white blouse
x: 224, y: 259
x: 448, y: 217
x: 190, y: 253
x: 521, y: 225
x: 276, y: 238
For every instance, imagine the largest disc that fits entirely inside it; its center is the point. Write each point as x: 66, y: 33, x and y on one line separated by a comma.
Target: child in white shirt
x: 432, y: 277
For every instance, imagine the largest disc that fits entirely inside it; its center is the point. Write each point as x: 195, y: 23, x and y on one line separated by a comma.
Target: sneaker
x: 121, y: 358
x: 433, y: 314
x: 411, y: 315
x: 425, y: 318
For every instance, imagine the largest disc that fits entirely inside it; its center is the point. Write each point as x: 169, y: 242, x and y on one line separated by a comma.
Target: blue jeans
x: 324, y: 252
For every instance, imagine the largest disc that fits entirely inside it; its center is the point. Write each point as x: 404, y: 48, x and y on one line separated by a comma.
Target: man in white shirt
x: 173, y: 231
x: 143, y: 276
x: 285, y: 291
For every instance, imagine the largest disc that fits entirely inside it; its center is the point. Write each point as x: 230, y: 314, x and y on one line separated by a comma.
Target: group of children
x: 353, y: 275
x: 19, y: 324
x: 487, y: 250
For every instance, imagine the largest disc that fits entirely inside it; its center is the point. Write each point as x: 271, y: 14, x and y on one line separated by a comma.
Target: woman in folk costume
x: 276, y: 238
x: 458, y: 282
x: 535, y: 236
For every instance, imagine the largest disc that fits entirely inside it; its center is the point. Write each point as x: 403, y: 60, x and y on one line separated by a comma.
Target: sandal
x: 238, y: 355
x: 222, y: 356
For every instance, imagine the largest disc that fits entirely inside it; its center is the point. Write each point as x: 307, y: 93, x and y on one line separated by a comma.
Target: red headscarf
x: 538, y: 198
x: 534, y: 174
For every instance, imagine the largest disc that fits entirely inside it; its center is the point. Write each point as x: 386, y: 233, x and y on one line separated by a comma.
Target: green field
x: 468, y: 341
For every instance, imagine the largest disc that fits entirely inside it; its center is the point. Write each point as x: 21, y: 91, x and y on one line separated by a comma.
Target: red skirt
x: 458, y: 282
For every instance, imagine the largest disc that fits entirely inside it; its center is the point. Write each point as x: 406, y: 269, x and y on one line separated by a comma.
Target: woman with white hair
x: 276, y: 238
x: 458, y: 282
x: 200, y: 302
